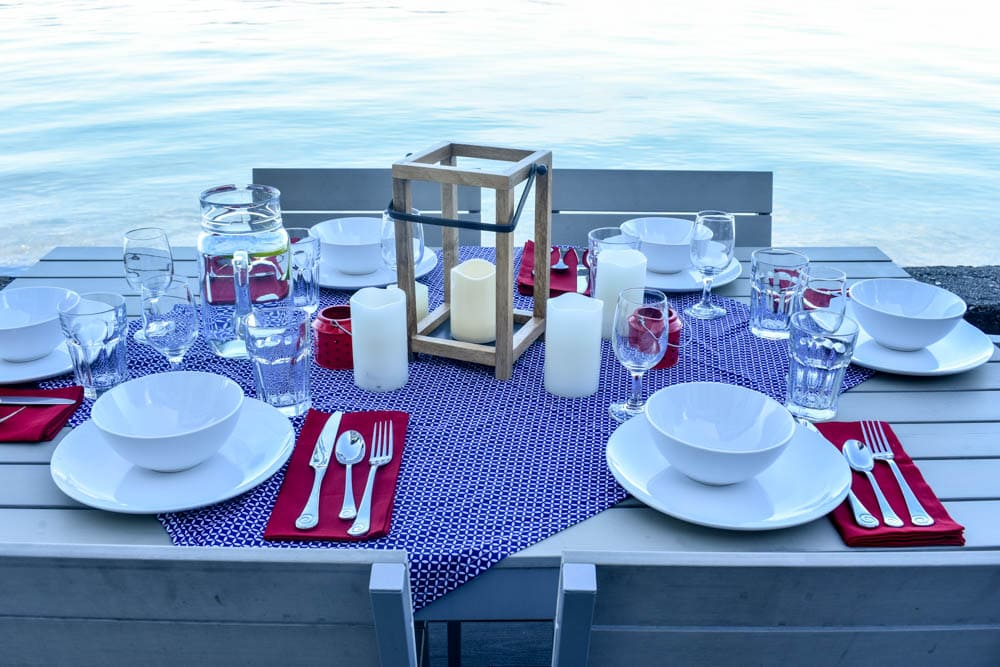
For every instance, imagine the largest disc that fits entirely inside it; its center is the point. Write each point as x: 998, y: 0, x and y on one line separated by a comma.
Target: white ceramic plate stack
x: 86, y: 468
x: 905, y: 313
x: 807, y: 482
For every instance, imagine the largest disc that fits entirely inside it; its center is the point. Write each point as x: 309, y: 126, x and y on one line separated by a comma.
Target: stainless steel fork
x: 874, y: 435
x: 381, y: 454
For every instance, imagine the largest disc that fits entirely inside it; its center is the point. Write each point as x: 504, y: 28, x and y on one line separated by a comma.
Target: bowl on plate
x: 905, y: 315
x: 350, y: 245
x: 29, y: 321
x: 666, y: 242
x: 169, y: 421
x: 718, y: 433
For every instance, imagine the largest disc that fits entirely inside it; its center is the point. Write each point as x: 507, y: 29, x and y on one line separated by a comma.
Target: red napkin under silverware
x: 38, y: 423
x: 560, y: 282
x: 944, y: 532
x: 299, y: 479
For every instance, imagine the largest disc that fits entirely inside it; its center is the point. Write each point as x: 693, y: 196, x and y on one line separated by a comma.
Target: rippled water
x: 878, y: 119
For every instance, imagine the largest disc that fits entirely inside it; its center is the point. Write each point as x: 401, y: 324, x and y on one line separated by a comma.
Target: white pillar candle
x: 474, y: 301
x: 422, y: 299
x: 573, y: 345
x: 378, y: 329
x: 617, y: 270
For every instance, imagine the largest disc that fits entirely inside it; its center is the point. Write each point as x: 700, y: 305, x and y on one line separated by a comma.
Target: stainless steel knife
x: 34, y: 400
x: 319, y: 461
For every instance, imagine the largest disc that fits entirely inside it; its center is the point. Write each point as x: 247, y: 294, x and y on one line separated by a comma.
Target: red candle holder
x: 332, y: 335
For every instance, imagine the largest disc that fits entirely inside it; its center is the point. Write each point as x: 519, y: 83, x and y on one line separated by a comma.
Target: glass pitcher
x: 244, y: 258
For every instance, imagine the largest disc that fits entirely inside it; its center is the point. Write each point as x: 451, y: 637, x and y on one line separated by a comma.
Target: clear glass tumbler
x: 776, y: 279
x: 279, y: 343
x: 95, y: 328
x: 818, y: 357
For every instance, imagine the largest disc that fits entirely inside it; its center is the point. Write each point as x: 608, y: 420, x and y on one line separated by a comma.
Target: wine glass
x: 169, y: 317
x: 389, y: 241
x: 711, y: 252
x: 640, y: 334
x: 145, y: 254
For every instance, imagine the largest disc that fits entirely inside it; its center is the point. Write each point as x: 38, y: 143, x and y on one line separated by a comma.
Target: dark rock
x: 978, y: 285
x: 4, y: 280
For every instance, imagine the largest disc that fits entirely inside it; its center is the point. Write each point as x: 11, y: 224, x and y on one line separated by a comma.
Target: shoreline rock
x: 979, y: 286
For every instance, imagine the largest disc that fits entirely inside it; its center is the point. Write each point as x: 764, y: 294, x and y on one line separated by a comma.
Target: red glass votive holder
x: 332, y: 335
x: 673, y: 341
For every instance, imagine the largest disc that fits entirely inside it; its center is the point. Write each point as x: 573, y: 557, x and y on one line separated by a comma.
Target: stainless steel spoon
x: 862, y: 516
x: 350, y: 449
x: 860, y: 458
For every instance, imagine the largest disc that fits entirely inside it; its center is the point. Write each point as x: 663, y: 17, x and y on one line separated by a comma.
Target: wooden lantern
x: 438, y: 165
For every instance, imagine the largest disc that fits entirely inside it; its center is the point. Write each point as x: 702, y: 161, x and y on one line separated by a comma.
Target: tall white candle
x: 617, y: 270
x: 378, y: 330
x: 422, y: 299
x: 474, y: 301
x: 573, y: 345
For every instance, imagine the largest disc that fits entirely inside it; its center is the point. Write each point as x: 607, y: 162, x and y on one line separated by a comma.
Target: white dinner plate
x: 963, y: 349
x: 87, y: 470
x: 56, y: 363
x: 334, y: 279
x: 689, y: 280
x: 806, y: 482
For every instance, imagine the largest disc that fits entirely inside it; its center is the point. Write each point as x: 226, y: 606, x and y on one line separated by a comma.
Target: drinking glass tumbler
x: 711, y: 253
x: 95, y: 328
x: 818, y: 357
x: 388, y: 240
x: 279, y: 343
x: 640, y: 339
x: 776, y: 279
x: 824, y: 289
x: 305, y: 268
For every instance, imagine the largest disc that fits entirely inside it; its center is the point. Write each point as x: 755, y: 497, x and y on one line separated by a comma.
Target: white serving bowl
x: 29, y: 321
x: 666, y: 242
x: 169, y: 421
x: 905, y: 315
x: 350, y: 245
x: 718, y: 433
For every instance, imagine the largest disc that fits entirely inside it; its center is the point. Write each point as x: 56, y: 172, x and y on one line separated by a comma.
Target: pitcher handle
x: 241, y: 291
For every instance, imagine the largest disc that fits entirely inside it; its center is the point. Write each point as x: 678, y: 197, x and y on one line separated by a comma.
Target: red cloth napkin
x: 560, y: 282
x: 944, y: 532
x: 299, y: 479
x: 38, y: 423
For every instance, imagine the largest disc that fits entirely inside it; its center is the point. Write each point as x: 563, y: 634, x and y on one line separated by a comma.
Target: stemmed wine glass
x: 389, y: 241
x: 640, y: 334
x: 146, y: 254
x: 711, y: 252
x: 169, y: 317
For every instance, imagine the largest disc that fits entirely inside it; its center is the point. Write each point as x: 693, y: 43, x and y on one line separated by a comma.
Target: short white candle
x: 573, y: 345
x: 422, y: 299
x: 378, y: 328
x: 474, y: 301
x: 617, y: 270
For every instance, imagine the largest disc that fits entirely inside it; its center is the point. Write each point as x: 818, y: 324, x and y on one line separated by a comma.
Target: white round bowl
x: 666, y: 242
x: 29, y: 321
x: 350, y: 245
x: 718, y: 433
x: 169, y: 421
x: 905, y: 315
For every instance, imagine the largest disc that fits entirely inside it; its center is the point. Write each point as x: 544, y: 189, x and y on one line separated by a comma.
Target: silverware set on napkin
x: 349, y: 449
x: 861, y: 456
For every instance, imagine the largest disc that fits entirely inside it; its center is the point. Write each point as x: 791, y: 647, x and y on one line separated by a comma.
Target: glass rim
x: 847, y: 326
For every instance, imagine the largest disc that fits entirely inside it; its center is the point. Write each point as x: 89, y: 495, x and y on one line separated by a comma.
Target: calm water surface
x: 878, y: 119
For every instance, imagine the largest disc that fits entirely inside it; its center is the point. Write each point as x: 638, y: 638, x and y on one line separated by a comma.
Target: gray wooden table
x: 950, y: 425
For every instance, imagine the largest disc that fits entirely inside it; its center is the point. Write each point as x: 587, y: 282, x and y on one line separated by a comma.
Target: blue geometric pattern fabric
x: 490, y: 467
